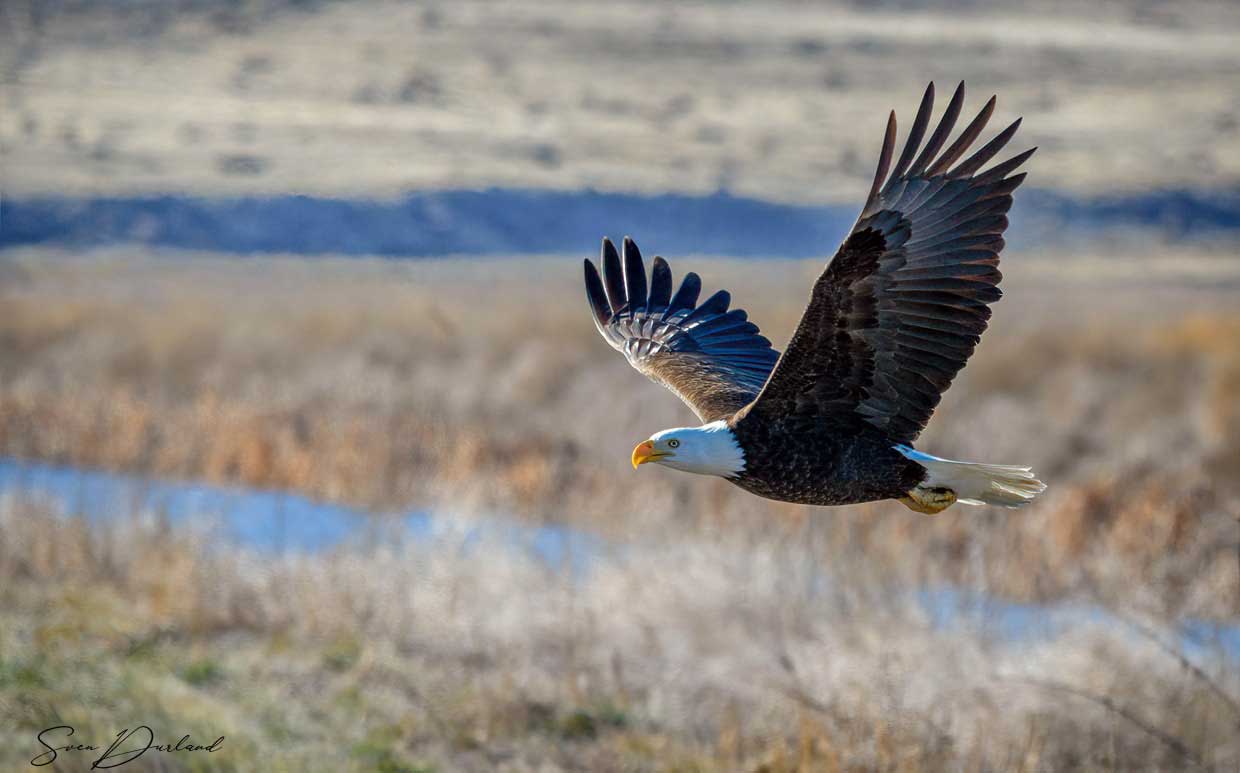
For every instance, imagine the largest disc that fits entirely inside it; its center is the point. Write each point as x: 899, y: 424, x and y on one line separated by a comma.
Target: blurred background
x: 307, y: 440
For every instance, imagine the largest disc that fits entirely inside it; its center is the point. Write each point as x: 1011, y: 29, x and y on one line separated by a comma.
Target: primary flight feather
x: 891, y: 321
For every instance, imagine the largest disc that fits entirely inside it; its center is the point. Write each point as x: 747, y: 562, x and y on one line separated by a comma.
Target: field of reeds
x: 730, y: 633
x: 481, y: 386
x: 696, y: 654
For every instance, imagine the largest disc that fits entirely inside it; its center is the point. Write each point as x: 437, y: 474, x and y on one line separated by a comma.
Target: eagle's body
x: 890, y: 322
x: 793, y: 467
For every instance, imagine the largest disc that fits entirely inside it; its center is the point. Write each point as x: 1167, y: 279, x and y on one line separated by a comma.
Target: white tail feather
x: 978, y: 484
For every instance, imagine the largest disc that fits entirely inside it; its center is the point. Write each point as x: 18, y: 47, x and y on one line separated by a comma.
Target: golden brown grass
x: 480, y: 385
x: 730, y: 633
x: 706, y: 655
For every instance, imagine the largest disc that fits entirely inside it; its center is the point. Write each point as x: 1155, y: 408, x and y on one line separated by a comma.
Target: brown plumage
x: 891, y: 321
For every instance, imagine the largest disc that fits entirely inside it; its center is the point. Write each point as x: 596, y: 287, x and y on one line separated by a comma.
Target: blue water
x: 525, y: 222
x: 275, y: 522
x: 1009, y: 621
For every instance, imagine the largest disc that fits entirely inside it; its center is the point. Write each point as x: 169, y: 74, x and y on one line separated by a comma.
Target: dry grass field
x: 479, y: 385
x: 700, y: 654
x: 716, y: 631
x: 733, y: 633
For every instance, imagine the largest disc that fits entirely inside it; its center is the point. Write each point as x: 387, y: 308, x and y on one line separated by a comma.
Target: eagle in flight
x: 890, y: 322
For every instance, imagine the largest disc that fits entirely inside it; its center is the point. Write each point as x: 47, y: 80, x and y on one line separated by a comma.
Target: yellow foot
x: 928, y: 500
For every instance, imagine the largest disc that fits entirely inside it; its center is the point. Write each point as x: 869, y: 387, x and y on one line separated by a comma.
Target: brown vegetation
x: 698, y: 653
x: 726, y: 632
x: 481, y: 386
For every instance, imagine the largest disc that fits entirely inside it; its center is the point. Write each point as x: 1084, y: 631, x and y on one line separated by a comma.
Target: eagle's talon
x: 928, y: 500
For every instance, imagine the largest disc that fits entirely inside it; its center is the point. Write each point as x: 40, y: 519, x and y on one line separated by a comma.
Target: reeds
x: 728, y: 633
x: 481, y: 386
x: 700, y: 654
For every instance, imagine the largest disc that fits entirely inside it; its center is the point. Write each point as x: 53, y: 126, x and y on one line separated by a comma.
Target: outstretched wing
x: 712, y: 358
x: 898, y: 311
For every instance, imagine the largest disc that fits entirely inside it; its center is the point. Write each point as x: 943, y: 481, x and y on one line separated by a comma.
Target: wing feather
x: 596, y: 294
x: 634, y: 276
x: 711, y: 357
x: 914, y: 136
x: 946, y: 124
x: 904, y: 302
x: 964, y: 141
x: 988, y: 151
x: 686, y: 296
x: 660, y: 286
x: 613, y: 277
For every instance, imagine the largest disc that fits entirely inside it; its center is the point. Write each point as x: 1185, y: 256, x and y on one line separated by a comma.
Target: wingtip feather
x: 660, y: 284
x: 596, y: 295
x: 941, y: 133
x: 634, y: 275
x: 975, y: 162
x: 918, y: 130
x: 613, y: 277
x: 884, y: 161
x: 966, y: 139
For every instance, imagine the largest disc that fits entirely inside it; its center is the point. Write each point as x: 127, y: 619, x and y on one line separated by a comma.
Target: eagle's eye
x: 673, y: 443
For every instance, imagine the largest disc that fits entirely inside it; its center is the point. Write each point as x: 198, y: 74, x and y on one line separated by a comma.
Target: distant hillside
x: 503, y: 221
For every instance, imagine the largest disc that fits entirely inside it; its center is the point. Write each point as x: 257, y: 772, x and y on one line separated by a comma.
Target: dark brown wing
x: 712, y: 358
x: 898, y: 311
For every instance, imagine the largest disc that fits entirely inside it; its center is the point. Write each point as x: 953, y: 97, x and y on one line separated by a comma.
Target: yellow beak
x: 645, y: 453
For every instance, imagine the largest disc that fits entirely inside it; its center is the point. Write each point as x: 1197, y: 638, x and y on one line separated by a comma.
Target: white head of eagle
x: 710, y: 449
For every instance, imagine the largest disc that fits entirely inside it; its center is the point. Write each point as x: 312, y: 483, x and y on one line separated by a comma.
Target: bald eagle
x: 890, y: 322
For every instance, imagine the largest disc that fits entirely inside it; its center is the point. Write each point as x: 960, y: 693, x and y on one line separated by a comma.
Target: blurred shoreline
x: 530, y: 222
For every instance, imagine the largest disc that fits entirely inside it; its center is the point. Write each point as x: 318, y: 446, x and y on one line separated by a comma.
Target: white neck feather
x: 710, y: 449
